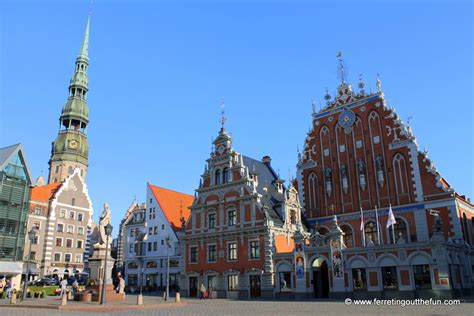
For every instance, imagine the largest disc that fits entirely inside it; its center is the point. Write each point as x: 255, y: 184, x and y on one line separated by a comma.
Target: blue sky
x: 158, y: 70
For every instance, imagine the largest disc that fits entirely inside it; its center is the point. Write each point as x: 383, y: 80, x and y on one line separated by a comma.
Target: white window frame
x: 73, y: 215
x: 62, y: 230
x: 82, y: 230
x: 250, y: 249
x: 61, y: 241
x: 78, y: 255
x: 82, y: 243
x: 67, y: 229
x: 231, y: 210
x: 82, y: 214
x: 208, y: 253
x: 212, y: 212
x: 37, y: 227
x: 36, y: 210
x: 61, y: 213
x: 72, y: 242
x: 197, y: 254
x: 70, y: 256
x: 60, y: 256
x: 233, y: 242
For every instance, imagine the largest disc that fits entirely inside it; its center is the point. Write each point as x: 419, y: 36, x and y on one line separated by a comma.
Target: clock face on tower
x: 220, y: 149
x: 73, y: 144
x: 346, y: 120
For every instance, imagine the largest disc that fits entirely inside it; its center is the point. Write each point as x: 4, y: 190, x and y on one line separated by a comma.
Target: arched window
x: 347, y: 238
x: 371, y: 233
x: 400, y: 228
x: 323, y: 231
x: 133, y: 265
x: 400, y: 173
x: 217, y: 178
x: 313, y: 191
x: 225, y: 175
x: 151, y: 264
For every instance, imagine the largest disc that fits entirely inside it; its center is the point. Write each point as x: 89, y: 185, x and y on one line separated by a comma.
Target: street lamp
x: 31, y: 237
x: 140, y: 252
x: 108, y: 232
x: 168, y: 243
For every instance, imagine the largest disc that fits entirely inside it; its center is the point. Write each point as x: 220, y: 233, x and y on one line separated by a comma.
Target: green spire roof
x: 84, y: 52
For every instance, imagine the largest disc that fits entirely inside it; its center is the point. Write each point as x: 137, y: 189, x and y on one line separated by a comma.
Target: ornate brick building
x: 242, y: 216
x: 359, y: 160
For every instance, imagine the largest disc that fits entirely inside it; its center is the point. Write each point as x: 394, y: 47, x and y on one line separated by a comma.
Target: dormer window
x: 217, y: 179
x: 225, y: 175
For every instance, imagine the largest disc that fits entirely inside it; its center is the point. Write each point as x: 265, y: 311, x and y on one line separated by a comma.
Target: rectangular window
x: 67, y: 257
x: 211, y: 253
x: 150, y: 231
x: 150, y: 245
x: 359, y: 279
x: 155, y: 230
x: 254, y: 249
x: 232, y: 251
x: 38, y: 210
x: 68, y: 243
x: 33, y: 256
x: 232, y: 217
x: 78, y: 258
x: 57, y: 256
x: 155, y: 246
x: 62, y: 214
x: 131, y: 232
x: 162, y: 242
x: 59, y: 242
x: 36, y: 240
x: 72, y: 215
x: 79, y: 244
x: 161, y: 263
x: 193, y: 254
x: 70, y: 229
x: 131, y: 248
x: 211, y: 220
x: 80, y: 230
x: 73, y: 201
x: 60, y: 228
x: 233, y: 282
x: 422, y: 276
x: 389, y: 278
x: 162, y: 226
x: 285, y: 281
x: 37, y: 224
x: 80, y: 217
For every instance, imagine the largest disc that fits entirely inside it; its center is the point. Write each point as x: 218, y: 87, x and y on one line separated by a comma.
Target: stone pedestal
x: 97, y: 263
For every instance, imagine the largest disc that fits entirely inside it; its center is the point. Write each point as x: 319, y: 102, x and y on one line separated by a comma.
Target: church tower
x: 70, y: 150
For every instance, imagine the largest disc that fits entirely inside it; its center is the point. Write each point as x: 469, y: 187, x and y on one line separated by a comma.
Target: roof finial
x: 341, y: 67
x: 379, y: 83
x: 313, y: 104
x: 222, y: 119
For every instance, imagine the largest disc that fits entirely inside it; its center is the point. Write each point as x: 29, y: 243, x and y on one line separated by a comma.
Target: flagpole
x: 362, y: 225
x: 393, y: 233
x: 378, y: 228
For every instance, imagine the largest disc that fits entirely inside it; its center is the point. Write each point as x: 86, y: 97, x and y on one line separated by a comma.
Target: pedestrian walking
x: 75, y: 286
x: 203, y: 291
x: 9, y: 288
x: 63, y: 286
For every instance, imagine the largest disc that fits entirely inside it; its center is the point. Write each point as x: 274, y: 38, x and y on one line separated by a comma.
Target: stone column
x: 336, y: 268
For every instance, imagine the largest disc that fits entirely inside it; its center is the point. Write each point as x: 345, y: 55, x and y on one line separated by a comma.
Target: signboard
x: 299, y: 260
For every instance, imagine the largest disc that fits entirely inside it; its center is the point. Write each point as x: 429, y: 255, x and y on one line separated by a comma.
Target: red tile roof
x: 44, y: 193
x: 174, y: 204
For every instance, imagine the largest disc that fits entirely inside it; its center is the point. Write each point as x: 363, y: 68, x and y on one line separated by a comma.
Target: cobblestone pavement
x: 246, y: 308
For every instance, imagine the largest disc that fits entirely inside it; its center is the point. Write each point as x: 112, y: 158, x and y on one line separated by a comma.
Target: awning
x: 11, y: 267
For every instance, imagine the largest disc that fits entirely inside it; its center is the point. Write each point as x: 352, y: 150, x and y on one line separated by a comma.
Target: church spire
x: 84, y: 52
x: 70, y: 149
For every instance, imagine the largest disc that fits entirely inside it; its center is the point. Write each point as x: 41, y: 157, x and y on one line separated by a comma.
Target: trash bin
x: 177, y: 297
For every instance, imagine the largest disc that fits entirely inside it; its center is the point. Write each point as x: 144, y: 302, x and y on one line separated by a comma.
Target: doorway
x: 255, y: 286
x: 193, y: 286
x: 321, y: 281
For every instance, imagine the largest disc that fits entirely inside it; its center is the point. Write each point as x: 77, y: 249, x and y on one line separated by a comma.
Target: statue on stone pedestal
x: 103, y: 221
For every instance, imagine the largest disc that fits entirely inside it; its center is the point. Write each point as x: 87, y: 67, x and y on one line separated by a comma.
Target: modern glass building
x: 15, y: 185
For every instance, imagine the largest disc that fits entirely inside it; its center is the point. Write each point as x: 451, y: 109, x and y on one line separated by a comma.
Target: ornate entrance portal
x: 320, y: 278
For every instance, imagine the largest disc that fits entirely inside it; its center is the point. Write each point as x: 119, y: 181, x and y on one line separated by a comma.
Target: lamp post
x: 140, y: 252
x: 31, y: 237
x: 168, y: 241
x: 108, y: 231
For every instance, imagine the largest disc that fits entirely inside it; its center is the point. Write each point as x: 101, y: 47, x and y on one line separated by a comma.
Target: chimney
x: 267, y: 160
